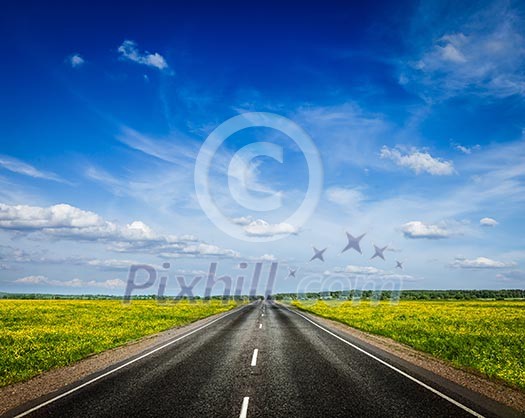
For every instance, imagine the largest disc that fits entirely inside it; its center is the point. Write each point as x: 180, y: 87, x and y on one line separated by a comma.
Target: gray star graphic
x: 379, y: 252
x: 318, y: 254
x: 291, y: 272
x: 353, y: 242
x: 399, y: 264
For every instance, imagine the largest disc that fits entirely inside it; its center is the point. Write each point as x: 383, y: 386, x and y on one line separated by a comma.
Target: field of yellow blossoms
x: 38, y: 335
x: 485, y: 336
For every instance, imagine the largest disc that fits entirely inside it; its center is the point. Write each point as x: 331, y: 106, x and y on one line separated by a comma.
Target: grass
x: 38, y: 335
x: 485, y: 336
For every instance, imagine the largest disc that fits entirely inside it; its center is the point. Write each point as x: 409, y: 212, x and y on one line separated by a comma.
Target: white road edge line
x: 254, y: 357
x: 419, y: 382
x: 244, y: 408
x: 83, y: 385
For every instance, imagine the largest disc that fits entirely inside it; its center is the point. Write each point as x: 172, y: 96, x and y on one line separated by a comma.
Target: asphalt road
x: 264, y: 361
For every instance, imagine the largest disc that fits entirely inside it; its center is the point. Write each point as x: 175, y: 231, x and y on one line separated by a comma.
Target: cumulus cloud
x: 261, y: 228
x: 129, y: 51
x: 488, y: 222
x: 75, y: 60
x: 63, y: 221
x: 43, y: 280
x: 418, y: 162
x: 60, y: 216
x: 243, y: 220
x: 418, y: 229
x: 480, y: 263
x: 20, y: 167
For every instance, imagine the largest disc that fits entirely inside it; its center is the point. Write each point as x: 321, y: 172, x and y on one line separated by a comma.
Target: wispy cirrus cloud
x: 511, y: 276
x: 464, y: 149
x: 482, y: 54
x: 344, y: 196
x: 17, y: 166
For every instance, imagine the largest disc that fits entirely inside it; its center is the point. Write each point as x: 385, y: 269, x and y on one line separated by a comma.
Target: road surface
x: 264, y: 361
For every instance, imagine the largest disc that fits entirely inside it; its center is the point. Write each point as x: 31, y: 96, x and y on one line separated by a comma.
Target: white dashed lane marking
x: 244, y: 408
x: 254, y: 357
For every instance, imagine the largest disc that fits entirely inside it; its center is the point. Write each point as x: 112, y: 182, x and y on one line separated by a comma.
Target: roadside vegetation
x: 484, y: 336
x: 502, y: 294
x: 38, y: 335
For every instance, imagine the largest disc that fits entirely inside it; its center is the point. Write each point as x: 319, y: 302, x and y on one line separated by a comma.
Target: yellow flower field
x: 38, y: 335
x: 486, y: 336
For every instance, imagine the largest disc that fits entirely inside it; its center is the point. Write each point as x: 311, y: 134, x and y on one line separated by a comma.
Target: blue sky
x: 415, y: 109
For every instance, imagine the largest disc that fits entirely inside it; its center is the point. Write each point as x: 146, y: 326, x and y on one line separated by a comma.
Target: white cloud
x: 75, y: 60
x: 32, y: 280
x: 450, y: 53
x: 369, y: 273
x: 483, y: 54
x: 266, y: 257
x: 68, y: 222
x: 17, y: 166
x: 208, y: 249
x: 480, y: 263
x: 152, y: 180
x: 129, y: 50
x: 419, y: 162
x: 489, y: 222
x: 58, y: 216
x: 243, y: 220
x: 351, y: 132
x: 514, y: 275
x: 464, y: 149
x: 43, y: 280
x: 111, y: 264
x: 418, y: 229
x: 262, y: 228
x: 364, y: 270
x: 350, y: 198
